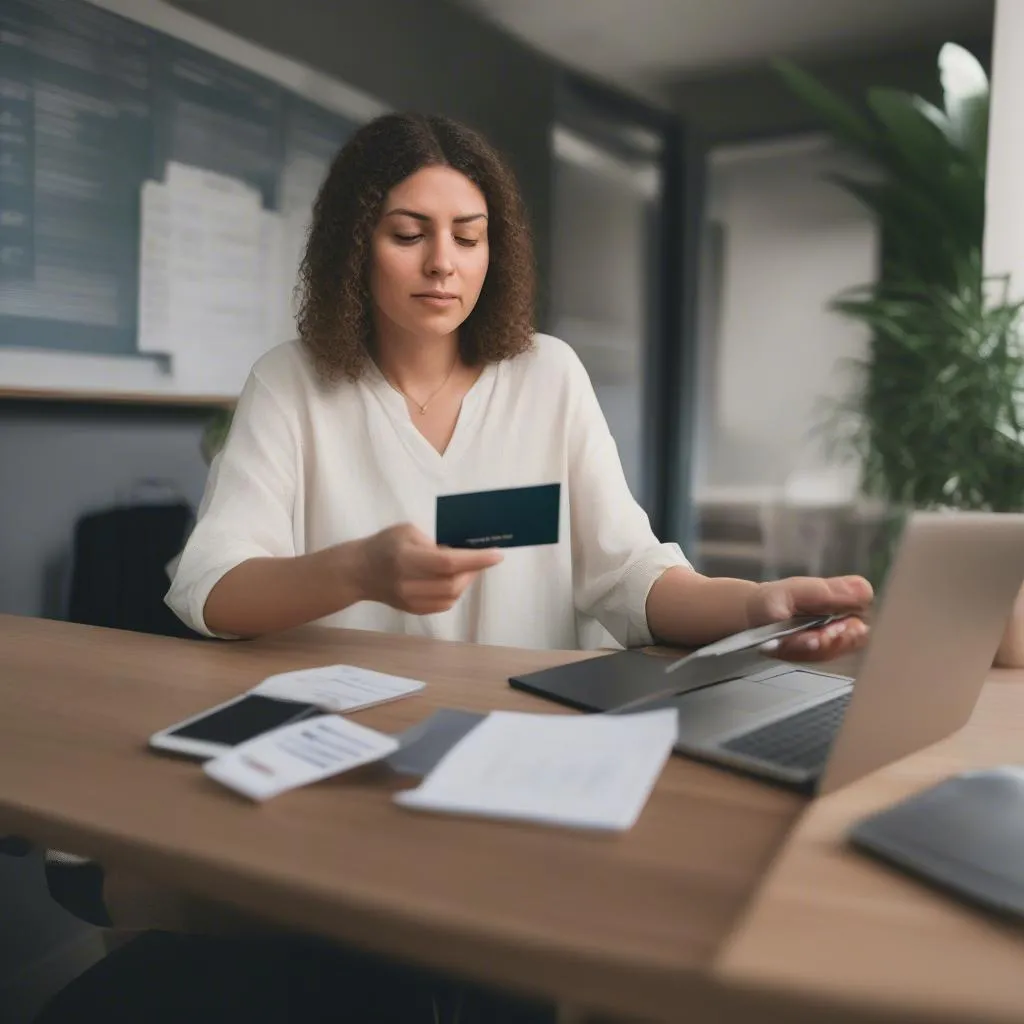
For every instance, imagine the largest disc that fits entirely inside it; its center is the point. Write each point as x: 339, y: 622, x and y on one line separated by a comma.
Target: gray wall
x: 599, y: 266
x: 59, y: 461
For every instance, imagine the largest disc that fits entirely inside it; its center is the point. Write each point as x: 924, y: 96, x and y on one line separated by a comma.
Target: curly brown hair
x: 336, y: 309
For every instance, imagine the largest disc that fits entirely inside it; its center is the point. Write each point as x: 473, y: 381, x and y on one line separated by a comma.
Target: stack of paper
x: 209, y: 276
x: 588, y: 771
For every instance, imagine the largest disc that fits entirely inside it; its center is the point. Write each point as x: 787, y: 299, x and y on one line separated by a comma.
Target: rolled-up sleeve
x: 248, y: 506
x: 616, y: 556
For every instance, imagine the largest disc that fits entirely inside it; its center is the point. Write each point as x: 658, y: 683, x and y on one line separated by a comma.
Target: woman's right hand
x: 402, y: 567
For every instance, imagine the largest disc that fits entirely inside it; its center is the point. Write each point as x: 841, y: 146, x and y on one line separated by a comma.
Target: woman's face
x: 429, y: 252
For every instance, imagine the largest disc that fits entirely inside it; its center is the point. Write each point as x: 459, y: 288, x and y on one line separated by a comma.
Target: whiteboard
x: 72, y: 348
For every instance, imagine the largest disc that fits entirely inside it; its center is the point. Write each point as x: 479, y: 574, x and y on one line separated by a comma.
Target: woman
x: 416, y: 374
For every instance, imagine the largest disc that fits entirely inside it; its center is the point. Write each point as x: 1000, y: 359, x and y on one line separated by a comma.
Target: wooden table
x: 665, y: 922
x: 856, y: 938
x: 627, y: 923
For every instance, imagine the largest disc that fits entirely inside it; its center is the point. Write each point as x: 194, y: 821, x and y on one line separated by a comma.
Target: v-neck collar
x: 473, y: 402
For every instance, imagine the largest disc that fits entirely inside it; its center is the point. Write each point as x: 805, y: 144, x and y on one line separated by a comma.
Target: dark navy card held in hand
x: 514, y: 517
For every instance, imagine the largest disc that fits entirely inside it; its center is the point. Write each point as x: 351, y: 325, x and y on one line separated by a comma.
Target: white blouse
x: 306, y: 467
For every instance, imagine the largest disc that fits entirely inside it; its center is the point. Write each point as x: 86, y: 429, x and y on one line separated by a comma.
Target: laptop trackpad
x: 739, y: 703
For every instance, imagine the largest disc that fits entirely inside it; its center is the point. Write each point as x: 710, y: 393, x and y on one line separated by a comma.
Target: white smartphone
x: 218, y: 729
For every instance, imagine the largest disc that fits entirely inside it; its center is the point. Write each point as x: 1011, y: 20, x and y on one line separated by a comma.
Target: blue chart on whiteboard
x: 153, y: 197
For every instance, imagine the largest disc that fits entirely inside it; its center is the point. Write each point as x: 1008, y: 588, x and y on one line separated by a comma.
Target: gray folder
x: 423, y: 745
x: 965, y: 836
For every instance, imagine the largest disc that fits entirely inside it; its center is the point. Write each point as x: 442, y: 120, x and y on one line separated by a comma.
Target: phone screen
x: 252, y: 715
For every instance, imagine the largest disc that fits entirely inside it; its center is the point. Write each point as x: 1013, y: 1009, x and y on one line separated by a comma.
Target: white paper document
x: 154, y: 270
x: 298, y: 754
x: 585, y: 771
x: 210, y: 271
x: 338, y: 687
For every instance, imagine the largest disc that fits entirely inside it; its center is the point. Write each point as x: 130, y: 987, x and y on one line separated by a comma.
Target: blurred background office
x: 157, y: 161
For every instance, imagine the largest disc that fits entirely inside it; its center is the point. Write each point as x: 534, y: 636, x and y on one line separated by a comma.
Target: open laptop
x: 948, y: 596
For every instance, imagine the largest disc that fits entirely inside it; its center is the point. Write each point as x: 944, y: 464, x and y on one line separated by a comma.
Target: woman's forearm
x: 686, y: 609
x: 264, y: 595
x: 1011, y: 649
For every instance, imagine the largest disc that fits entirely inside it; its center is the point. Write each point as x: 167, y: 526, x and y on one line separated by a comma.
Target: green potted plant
x: 215, y: 433
x: 934, y: 413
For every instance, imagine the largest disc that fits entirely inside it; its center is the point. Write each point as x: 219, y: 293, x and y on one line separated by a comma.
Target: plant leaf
x: 935, y: 115
x: 835, y: 113
x: 962, y: 77
x: 917, y: 141
x: 966, y: 94
x: 936, y: 410
x: 973, y: 130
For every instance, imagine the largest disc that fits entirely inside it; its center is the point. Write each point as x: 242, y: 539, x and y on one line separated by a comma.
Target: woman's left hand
x: 809, y: 595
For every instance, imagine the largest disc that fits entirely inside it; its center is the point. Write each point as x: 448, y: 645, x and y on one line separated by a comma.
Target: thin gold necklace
x: 423, y: 406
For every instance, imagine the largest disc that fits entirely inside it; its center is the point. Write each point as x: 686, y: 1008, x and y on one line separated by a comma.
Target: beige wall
x: 1004, y: 213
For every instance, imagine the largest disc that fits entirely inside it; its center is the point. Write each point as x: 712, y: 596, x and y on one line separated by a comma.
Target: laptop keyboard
x: 800, y: 741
